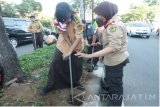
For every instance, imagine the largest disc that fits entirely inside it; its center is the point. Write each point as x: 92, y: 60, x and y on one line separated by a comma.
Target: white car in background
x: 156, y: 24
x: 138, y: 28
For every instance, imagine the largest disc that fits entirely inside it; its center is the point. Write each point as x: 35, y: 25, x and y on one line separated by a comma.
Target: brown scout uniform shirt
x: 36, y: 25
x: 75, y: 32
x: 115, y: 36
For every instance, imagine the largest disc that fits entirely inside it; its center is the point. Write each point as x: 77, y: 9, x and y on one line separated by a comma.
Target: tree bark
x: 8, y: 57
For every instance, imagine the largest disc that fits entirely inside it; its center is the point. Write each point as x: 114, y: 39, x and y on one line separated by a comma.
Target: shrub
x: 46, y: 22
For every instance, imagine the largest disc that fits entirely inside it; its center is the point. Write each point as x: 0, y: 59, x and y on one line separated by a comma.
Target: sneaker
x: 45, y: 90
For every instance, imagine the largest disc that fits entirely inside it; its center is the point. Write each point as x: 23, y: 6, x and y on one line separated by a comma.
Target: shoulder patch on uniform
x: 79, y: 28
x: 76, y: 20
x: 112, y: 29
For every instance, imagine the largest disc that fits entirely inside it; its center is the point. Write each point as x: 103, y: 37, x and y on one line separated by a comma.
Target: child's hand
x: 79, y: 54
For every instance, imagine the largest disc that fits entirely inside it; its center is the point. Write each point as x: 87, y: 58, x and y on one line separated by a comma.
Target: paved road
x: 141, y: 75
x: 24, y: 49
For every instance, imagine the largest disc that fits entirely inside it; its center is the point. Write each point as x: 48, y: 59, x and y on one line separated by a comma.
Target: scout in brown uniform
x: 114, y: 52
x: 69, y: 42
x: 36, y: 28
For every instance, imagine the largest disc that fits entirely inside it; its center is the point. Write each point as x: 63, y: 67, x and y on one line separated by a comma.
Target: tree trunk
x: 8, y: 58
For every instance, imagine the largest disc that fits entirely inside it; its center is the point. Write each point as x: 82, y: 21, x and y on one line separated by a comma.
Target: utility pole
x: 92, y: 10
x: 82, y: 14
x: 84, y: 4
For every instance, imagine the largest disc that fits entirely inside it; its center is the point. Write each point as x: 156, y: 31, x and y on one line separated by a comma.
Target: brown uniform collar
x: 113, y: 20
x: 109, y: 22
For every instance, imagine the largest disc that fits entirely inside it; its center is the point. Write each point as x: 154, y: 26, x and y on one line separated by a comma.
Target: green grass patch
x: 38, y: 59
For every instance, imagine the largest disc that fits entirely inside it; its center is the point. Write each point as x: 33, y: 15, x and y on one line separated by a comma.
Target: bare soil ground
x: 26, y: 94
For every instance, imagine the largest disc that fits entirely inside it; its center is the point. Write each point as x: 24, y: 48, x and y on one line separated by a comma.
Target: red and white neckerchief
x: 109, y: 22
x: 60, y: 26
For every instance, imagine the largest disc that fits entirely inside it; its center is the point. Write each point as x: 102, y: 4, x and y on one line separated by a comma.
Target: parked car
x: 17, y: 30
x: 18, y: 36
x: 138, y: 28
x: 156, y: 24
x: 16, y: 23
x: 158, y: 32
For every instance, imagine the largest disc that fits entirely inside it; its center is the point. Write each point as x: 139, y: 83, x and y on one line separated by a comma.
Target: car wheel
x: 129, y: 34
x: 14, y: 42
x: 147, y: 37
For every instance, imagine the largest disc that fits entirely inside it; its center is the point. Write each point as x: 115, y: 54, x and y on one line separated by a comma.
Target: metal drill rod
x: 70, y: 68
